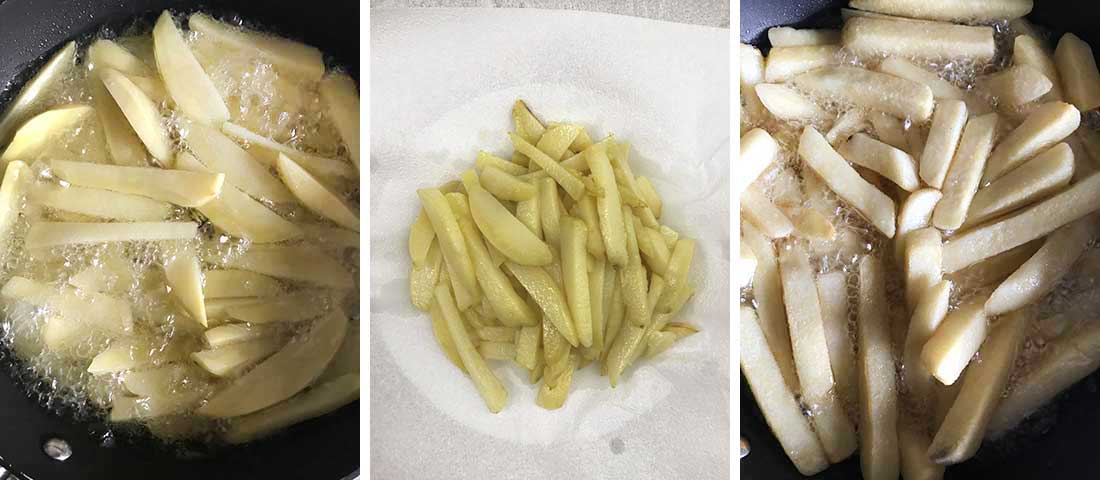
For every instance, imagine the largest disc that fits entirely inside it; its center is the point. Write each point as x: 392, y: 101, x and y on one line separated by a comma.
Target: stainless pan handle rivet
x: 57, y: 449
x: 744, y: 447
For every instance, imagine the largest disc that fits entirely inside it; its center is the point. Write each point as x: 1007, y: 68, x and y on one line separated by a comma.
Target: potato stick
x: 1029, y: 50
x: 923, y: 260
x: 1077, y: 70
x: 183, y: 273
x: 878, y: 395
x: 190, y: 87
x: 985, y: 241
x: 497, y: 350
x: 783, y: 63
x: 613, y: 308
x: 768, y: 293
x: 915, y: 214
x: 1040, y: 273
x: 811, y: 354
x: 654, y: 251
x: 505, y: 186
x: 527, y: 212
x: 505, y: 232
x: 574, y: 259
x: 608, y: 207
x: 160, y: 380
x: 941, y: 89
x: 221, y: 154
x: 760, y: 210
x: 549, y: 296
x: 1034, y: 180
x: 925, y: 40
x: 295, y: 307
x: 832, y: 291
x: 649, y: 194
x: 51, y: 74
x: 652, y: 324
x: 288, y: 56
x: 505, y: 302
x: 633, y: 283
x: 113, y: 275
x: 948, y: 10
x: 852, y: 121
x: 943, y: 139
x: 884, y: 159
x: 948, y: 351
x: 442, y: 335
x: 123, y: 143
x: 791, y: 37
x: 527, y: 126
x: 141, y: 113
x: 778, y: 404
x: 229, y: 334
x: 100, y: 203
x: 315, y: 195
x: 449, y: 235
x: 552, y: 393
x: 556, y: 140
x: 843, y: 179
x: 267, y: 151
x: 758, y: 151
x: 187, y: 189
x: 1049, y: 124
x: 915, y: 137
x: 889, y: 130
x: 421, y: 237
x: 586, y: 210
x: 752, y: 73
x: 49, y: 234
x: 486, y: 160
x: 550, y: 210
x: 669, y: 235
x: 567, y: 180
x: 784, y: 103
x: 1068, y: 360
x: 676, y: 274
x: 487, y: 384
x: 299, y: 263
x: 319, y: 400
x: 341, y: 101
x: 965, y: 174
x: 997, y: 268
x: 913, y: 447
x: 596, y: 293
x: 527, y: 346
x: 1018, y: 85
x: 232, y: 360
x: 744, y: 268
x: 88, y: 309
x: 618, y: 154
x: 930, y: 310
x: 34, y: 138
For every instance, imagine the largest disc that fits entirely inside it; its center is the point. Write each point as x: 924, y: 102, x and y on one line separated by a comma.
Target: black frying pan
x: 326, y: 448
x: 1064, y: 448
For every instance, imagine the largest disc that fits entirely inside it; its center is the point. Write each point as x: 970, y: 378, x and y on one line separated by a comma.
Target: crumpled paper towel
x: 443, y: 83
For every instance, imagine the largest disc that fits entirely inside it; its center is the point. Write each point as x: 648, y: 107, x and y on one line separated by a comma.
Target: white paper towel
x: 442, y: 86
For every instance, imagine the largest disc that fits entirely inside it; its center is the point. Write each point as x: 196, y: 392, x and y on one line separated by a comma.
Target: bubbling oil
x: 282, y: 107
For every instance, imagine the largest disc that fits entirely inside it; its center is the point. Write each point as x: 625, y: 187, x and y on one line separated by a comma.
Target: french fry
x: 832, y: 291
x: 496, y: 350
x: 948, y: 11
x: 878, y: 395
x: 948, y: 351
x: 915, y: 214
x: 888, y: 161
x: 557, y: 139
x: 267, y: 150
x: 442, y: 335
x: 618, y: 153
x: 943, y: 140
x: 873, y: 37
x: 608, y: 207
x: 963, y: 429
x: 52, y: 73
x: 586, y: 210
x: 744, y: 268
x: 287, y: 56
x: 1018, y: 85
x: 982, y: 242
x: 187, y: 189
x: 676, y: 274
x: 650, y: 196
x: 992, y: 271
x: 87, y: 309
x: 889, y: 130
x: 1028, y: 50
x: 449, y: 234
x: 843, y: 179
x: 780, y: 409
x: 318, y: 400
x: 791, y: 37
x: 123, y: 143
x: 550, y: 211
x: 504, y: 231
x: 549, y: 296
x: 152, y: 87
x: 758, y: 151
x: 869, y: 89
x: 14, y: 184
x: 811, y: 354
x: 296, y: 307
x: 783, y: 63
x: 231, y: 360
x: 752, y: 73
x: 1040, y: 273
x: 923, y: 260
x: 33, y: 138
x: 913, y: 447
x: 527, y: 126
x: 100, y: 203
x: 298, y: 263
x: 785, y: 103
x: 184, y: 276
x: 597, y: 292
x: 931, y: 308
x: 850, y: 122
x: 941, y: 89
x: 315, y: 195
x: 485, y: 160
x: 568, y: 181
x: 221, y: 154
x: 232, y: 333
x: 768, y: 291
x: 574, y: 258
x: 1034, y: 180
x: 190, y: 87
x: 760, y: 210
x: 421, y: 237
x: 505, y: 186
x: 113, y: 275
x: 528, y: 213
x: 50, y: 234
x: 965, y: 174
x: 1049, y: 124
x: 505, y: 302
x: 1077, y: 70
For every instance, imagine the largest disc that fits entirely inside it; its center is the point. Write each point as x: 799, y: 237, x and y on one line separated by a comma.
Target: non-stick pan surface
x: 323, y: 449
x: 1060, y: 442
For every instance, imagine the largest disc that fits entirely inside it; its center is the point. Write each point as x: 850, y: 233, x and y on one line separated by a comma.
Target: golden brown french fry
x: 1077, y: 70
x: 929, y: 313
x: 888, y: 161
x: 948, y: 351
x: 943, y: 139
x: 811, y: 354
x: 873, y: 37
x: 1040, y: 273
x: 965, y: 174
x: 1049, y: 124
x: 777, y: 402
x: 760, y: 210
x: 1035, y: 179
x: 878, y: 395
x: 843, y: 179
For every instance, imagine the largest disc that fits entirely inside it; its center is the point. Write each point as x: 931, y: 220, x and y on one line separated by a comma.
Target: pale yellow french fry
x: 992, y: 271
x: 878, y: 392
x: 634, y: 287
x: 811, y: 354
x: 528, y: 214
x: 315, y: 195
x: 50, y: 234
x: 442, y: 335
x: 915, y: 138
x: 239, y: 214
x: 586, y: 210
x: 31, y: 95
x: 751, y: 62
x: 846, y: 182
x: 89, y: 309
x: 341, y: 101
x: 1077, y: 70
x: 776, y: 399
x: 676, y: 274
x: 791, y: 37
x: 852, y: 121
x: 1029, y: 50
x: 184, y: 276
x: 152, y: 87
x: 421, y: 236
x: 758, y: 151
x: 486, y: 382
x: 234, y: 333
x: 913, y: 444
x: 486, y: 160
x: 160, y: 380
x: 931, y: 308
x: 745, y: 267
x: 832, y: 291
x: 298, y: 263
x: 873, y: 37
x: 527, y: 346
x: 618, y: 153
x: 947, y: 10
x: 923, y: 264
x: 496, y: 350
x: 943, y: 140
x: 16, y: 178
x: 965, y: 174
x: 1049, y: 124
x: 231, y: 360
x: 1018, y: 85
x: 126, y: 354
x: 948, y: 351
x: 888, y: 161
x: 498, y: 334
x: 100, y: 203
x: 505, y: 302
x: 941, y: 89
x: 783, y: 63
x: 553, y: 391
x: 597, y: 291
x: 107, y: 53
x: 267, y: 150
x: 216, y: 308
x: 527, y: 126
x: 221, y: 154
x: 574, y: 259
x: 985, y: 241
x: 785, y: 103
x: 123, y: 143
x: 504, y: 231
x: 187, y: 189
x: 1035, y: 179
x: 915, y: 214
x: 191, y: 89
x: 287, y: 56
x: 318, y: 400
x: 572, y: 185
x: 296, y: 307
x: 556, y: 140
x: 1040, y: 273
x: 608, y: 206
x: 889, y: 130
x: 112, y: 275
x: 548, y: 295
x: 329, y: 236
x: 449, y: 235
x: 767, y: 290
x: 550, y: 210
x: 650, y: 196
x: 34, y: 138
x: 505, y: 186
x: 658, y: 261
x: 760, y: 210
x: 964, y: 427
